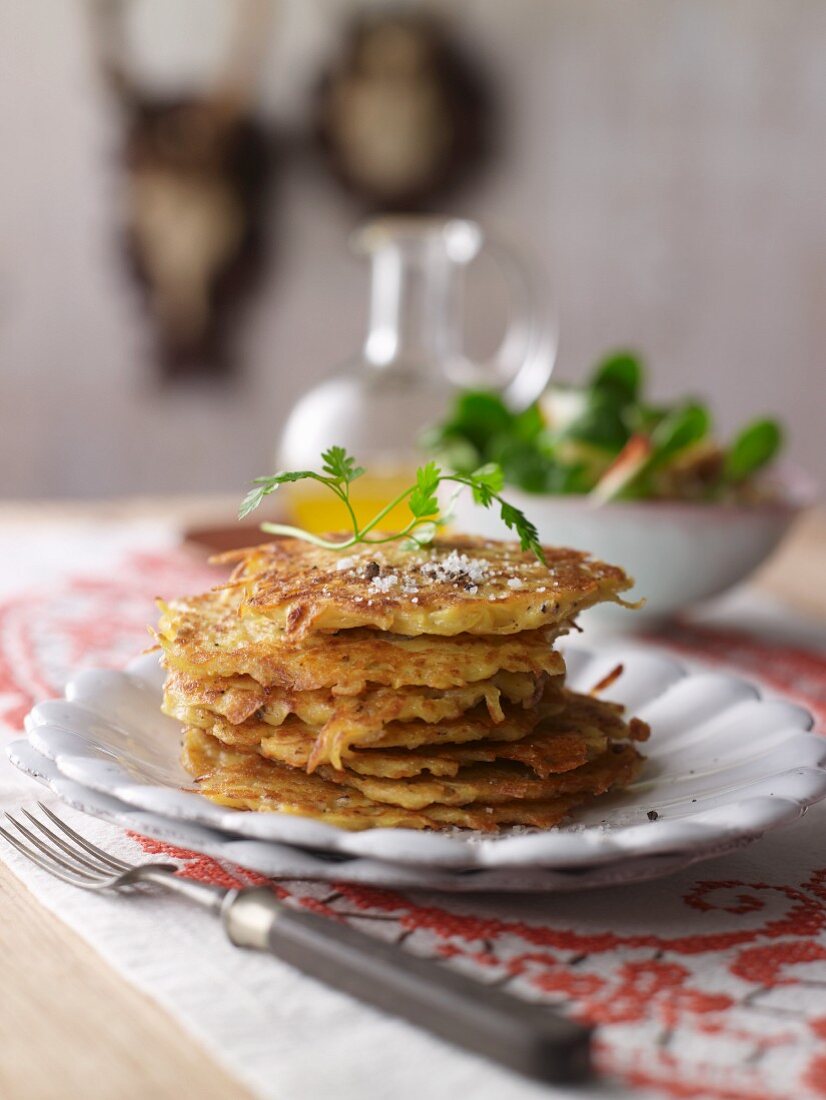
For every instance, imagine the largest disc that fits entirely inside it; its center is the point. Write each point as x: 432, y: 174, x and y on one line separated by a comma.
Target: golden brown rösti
x: 458, y: 585
x: 246, y: 781
x: 206, y: 636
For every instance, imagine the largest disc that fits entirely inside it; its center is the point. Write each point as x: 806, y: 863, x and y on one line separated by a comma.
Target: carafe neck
x: 414, y: 307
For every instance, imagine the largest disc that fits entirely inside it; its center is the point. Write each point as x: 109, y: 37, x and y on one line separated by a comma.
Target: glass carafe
x: 412, y: 360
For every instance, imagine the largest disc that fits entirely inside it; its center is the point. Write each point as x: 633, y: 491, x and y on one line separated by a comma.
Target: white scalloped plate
x: 283, y: 861
x: 724, y: 766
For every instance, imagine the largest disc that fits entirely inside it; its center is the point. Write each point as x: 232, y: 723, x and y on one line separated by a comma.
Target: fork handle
x: 531, y: 1039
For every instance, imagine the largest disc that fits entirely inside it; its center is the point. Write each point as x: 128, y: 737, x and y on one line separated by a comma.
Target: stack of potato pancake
x: 385, y: 686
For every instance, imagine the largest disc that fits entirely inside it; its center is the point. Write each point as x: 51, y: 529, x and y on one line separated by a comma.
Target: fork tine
x: 97, y: 865
x: 87, y: 846
x: 93, y: 874
x: 45, y: 864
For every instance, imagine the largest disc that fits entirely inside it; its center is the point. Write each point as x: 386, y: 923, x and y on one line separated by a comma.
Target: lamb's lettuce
x: 603, y: 438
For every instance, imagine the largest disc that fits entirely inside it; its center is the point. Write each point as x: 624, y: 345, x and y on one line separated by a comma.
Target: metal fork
x: 532, y: 1039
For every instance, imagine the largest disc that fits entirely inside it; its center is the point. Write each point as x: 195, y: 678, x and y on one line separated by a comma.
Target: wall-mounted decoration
x: 194, y: 175
x: 403, y: 116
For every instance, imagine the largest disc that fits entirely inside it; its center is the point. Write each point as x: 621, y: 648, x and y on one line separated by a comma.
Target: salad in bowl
x: 603, y: 468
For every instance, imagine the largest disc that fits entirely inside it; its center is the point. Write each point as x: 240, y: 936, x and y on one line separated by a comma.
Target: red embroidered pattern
x: 701, y: 987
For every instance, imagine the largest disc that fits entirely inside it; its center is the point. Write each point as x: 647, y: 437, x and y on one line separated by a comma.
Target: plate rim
x: 551, y: 849
x: 528, y: 879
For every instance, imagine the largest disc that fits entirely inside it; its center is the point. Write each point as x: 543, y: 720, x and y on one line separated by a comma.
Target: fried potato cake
x: 296, y: 740
x: 447, y: 742
x: 545, y: 751
x: 389, y: 687
x: 588, y: 711
x: 241, y: 698
x: 296, y: 744
x: 458, y: 585
x: 570, y: 730
x: 246, y: 781
x: 566, y: 738
x: 493, y: 783
x: 206, y: 636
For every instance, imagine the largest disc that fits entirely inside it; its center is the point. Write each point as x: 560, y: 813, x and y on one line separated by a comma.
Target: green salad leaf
x: 605, y: 438
x: 678, y: 429
x: 622, y: 371
x: 755, y: 446
x: 602, y: 422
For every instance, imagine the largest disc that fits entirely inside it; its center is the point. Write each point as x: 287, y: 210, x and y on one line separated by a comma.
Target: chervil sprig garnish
x: 339, y: 471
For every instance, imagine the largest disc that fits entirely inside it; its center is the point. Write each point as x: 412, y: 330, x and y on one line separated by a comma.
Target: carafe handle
x: 521, y: 366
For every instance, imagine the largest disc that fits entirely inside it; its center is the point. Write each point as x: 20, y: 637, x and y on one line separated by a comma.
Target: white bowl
x: 679, y: 554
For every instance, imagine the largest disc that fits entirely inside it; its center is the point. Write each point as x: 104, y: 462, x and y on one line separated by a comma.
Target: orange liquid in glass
x: 316, y: 509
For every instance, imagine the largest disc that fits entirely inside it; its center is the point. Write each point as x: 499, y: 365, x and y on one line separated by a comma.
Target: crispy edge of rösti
x: 245, y: 781
x: 453, y: 586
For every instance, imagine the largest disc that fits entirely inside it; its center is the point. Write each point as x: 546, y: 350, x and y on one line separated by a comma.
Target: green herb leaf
x: 251, y: 501
x: 263, y: 486
x: 486, y: 482
x: 491, y: 475
x: 423, y: 501
x: 753, y: 448
x: 272, y: 482
x: 340, y: 466
x: 517, y: 521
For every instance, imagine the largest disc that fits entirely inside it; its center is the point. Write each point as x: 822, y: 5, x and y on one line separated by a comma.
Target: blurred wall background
x: 666, y: 161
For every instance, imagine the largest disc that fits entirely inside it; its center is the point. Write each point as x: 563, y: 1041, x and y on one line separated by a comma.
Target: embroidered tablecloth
x: 710, y: 983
